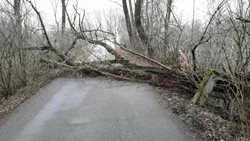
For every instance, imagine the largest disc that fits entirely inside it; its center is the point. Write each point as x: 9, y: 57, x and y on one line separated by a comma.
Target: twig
x: 243, y: 20
x: 71, y: 47
x: 37, y: 48
x: 115, y: 2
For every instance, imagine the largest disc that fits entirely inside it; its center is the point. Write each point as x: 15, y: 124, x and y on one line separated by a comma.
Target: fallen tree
x: 158, y: 75
x: 223, y: 87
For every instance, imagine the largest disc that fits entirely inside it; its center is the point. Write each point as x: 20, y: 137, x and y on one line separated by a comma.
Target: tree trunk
x: 166, y: 51
x: 194, y: 59
x: 140, y: 28
x: 167, y: 21
x: 132, y: 16
x: 18, y: 17
x: 18, y: 40
x: 63, y: 15
x: 127, y: 18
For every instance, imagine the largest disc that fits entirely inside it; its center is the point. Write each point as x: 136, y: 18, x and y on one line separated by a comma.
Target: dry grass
x: 204, y: 123
x: 13, y: 101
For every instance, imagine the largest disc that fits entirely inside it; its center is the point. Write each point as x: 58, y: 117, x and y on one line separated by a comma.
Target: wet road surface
x: 93, y: 110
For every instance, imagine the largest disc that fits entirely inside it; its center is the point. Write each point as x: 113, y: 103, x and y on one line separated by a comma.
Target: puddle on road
x: 69, y: 97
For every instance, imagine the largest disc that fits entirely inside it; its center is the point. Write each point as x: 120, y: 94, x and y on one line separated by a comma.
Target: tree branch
x: 243, y: 20
x: 50, y: 47
x: 201, y: 41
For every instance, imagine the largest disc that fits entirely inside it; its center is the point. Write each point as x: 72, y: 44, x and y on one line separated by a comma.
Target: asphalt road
x: 93, y: 110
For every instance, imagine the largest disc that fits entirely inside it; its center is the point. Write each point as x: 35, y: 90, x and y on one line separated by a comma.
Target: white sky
x: 183, y: 8
x: 90, y: 7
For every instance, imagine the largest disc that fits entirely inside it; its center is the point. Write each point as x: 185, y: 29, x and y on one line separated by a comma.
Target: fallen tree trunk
x: 144, y: 57
x: 161, y: 75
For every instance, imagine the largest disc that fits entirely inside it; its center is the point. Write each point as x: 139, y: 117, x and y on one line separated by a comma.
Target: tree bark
x: 140, y: 28
x: 167, y: 21
x: 166, y: 52
x: 127, y: 18
x: 19, y: 41
x: 18, y: 16
x: 63, y: 15
x: 132, y: 16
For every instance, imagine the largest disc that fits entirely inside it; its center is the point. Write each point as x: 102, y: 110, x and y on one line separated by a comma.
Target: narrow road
x: 93, y: 110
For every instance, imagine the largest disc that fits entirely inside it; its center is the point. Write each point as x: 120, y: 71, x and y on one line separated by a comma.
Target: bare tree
x: 167, y: 22
x: 132, y: 15
x: 203, y: 38
x: 17, y: 10
x: 140, y: 29
x: 127, y: 18
x: 192, y: 32
x: 49, y: 45
x: 63, y: 15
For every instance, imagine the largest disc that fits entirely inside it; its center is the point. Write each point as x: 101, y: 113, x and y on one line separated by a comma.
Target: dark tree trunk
x: 132, y: 16
x: 167, y: 20
x: 194, y: 59
x: 18, y: 16
x: 140, y: 28
x: 127, y: 18
x: 63, y: 15
x: 19, y: 41
x: 166, y: 51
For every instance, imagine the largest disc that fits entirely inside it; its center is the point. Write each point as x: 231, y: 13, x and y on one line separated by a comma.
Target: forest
x: 206, y: 61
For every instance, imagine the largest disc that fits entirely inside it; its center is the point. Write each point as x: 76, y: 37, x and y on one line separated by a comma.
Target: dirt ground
x: 206, y: 124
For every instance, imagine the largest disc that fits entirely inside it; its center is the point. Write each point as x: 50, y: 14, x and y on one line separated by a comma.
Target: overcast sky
x: 182, y: 8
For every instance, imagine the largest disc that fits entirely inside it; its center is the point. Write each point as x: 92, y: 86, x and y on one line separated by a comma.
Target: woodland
x: 207, y: 61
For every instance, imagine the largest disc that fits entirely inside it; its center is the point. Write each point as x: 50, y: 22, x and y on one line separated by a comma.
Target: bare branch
x: 9, y: 3
x: 80, y: 34
x: 142, y: 56
x: 201, y: 40
x: 62, y: 56
x: 243, y: 20
x: 115, y: 2
x: 71, y: 47
x: 99, y: 30
x: 41, y: 21
x: 37, y: 48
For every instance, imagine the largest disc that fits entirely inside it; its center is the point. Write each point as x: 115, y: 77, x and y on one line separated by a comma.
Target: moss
x: 200, y: 95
